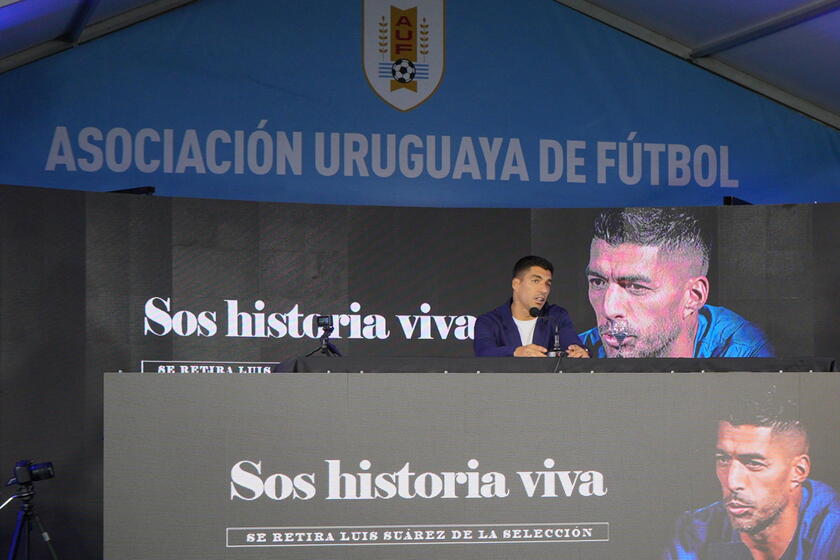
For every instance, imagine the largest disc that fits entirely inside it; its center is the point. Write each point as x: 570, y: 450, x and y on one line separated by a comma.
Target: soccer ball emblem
x: 403, y: 70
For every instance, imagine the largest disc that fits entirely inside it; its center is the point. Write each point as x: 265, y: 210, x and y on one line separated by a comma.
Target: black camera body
x: 27, y: 473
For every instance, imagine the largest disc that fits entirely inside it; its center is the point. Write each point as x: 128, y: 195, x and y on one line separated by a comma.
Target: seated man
x: 648, y: 287
x: 526, y: 325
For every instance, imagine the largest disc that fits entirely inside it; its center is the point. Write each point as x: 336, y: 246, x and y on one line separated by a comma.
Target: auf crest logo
x: 403, y: 50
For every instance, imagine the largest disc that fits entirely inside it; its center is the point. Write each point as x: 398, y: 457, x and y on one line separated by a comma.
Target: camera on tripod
x: 327, y: 348
x: 27, y: 473
x: 23, y: 475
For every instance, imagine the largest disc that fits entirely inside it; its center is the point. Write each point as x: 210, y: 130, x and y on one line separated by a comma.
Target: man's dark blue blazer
x: 496, y: 333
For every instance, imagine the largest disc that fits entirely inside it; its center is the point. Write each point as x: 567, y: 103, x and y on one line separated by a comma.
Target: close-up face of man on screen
x: 761, y: 470
x: 769, y: 506
x: 647, y: 281
x: 648, y: 288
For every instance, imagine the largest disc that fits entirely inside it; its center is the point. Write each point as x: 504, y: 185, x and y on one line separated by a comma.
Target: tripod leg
x: 21, y: 519
x: 46, y: 536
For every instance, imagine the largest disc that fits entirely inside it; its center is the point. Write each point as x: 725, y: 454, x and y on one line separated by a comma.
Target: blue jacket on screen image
x: 496, y: 333
x: 707, y: 532
x: 721, y: 333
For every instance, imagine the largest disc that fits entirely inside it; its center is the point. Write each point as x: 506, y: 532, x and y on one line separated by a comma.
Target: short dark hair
x: 673, y: 229
x: 771, y: 411
x: 525, y: 263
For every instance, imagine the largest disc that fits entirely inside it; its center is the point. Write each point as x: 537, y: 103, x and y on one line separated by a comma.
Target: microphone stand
x: 555, y: 351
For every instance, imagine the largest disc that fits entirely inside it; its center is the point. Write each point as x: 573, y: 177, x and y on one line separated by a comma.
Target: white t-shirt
x: 526, y: 330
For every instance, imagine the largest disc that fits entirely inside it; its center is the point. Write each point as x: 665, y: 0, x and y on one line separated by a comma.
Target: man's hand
x: 575, y: 351
x: 530, y: 351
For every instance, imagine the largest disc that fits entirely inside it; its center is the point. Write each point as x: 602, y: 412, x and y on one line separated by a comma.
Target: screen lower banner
x: 452, y: 466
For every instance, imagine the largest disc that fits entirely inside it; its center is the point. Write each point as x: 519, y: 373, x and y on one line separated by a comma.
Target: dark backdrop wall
x: 78, y: 272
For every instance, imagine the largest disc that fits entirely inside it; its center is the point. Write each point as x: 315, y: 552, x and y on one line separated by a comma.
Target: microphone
x: 534, y: 312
